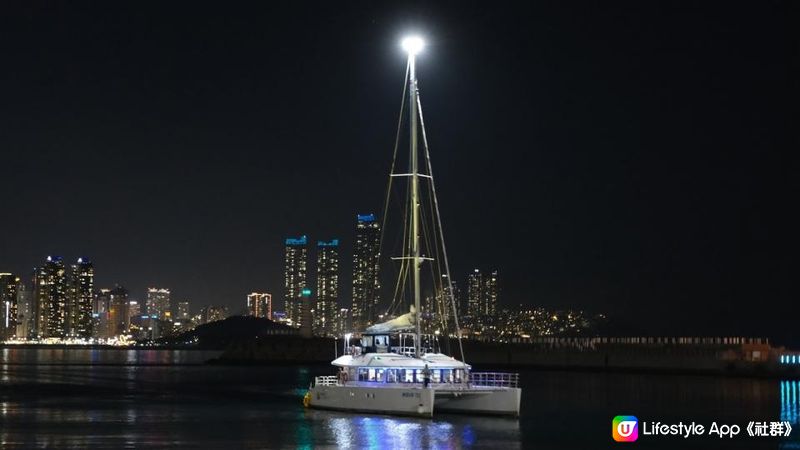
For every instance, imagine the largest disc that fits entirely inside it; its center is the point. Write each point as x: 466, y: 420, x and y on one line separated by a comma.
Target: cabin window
x: 458, y: 375
x: 447, y: 375
x: 436, y: 376
x: 363, y: 374
x: 406, y: 375
x: 420, y: 376
x: 391, y: 375
x: 379, y: 374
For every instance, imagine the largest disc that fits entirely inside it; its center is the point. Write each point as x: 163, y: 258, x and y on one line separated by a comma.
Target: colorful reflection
x: 376, y: 431
x: 790, y: 407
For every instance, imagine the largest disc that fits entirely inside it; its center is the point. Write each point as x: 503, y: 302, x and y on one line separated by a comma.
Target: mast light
x: 413, y: 44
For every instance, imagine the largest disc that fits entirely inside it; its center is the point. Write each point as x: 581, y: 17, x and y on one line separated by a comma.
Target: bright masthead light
x: 413, y: 44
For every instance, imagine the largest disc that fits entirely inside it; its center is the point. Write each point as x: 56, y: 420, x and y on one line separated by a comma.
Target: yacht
x: 395, y: 368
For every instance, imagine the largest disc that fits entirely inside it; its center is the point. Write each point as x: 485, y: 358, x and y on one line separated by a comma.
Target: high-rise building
x: 213, y: 313
x: 134, y: 308
x: 80, y: 296
x: 9, y: 284
x: 24, y: 309
x: 158, y: 303
x: 259, y: 305
x: 295, y: 278
x: 448, y: 300
x: 100, y: 308
x: 327, y: 303
x: 343, y: 323
x: 474, y: 294
x: 482, y: 295
x: 119, y: 318
x: 490, y: 294
x: 366, y: 284
x: 50, y: 299
x: 182, y: 312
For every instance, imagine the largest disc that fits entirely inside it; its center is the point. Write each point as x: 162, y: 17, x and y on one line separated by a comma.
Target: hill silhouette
x: 222, y: 333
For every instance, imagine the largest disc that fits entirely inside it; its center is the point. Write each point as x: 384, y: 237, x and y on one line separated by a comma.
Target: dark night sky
x: 630, y: 159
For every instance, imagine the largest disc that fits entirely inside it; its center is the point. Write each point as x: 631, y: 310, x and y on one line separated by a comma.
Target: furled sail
x: 405, y: 322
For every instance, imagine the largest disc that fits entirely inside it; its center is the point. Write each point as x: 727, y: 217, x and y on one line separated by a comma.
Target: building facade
x: 482, y: 296
x: 80, y: 296
x: 182, y: 312
x: 119, y: 318
x: 366, y: 284
x: 50, y: 298
x: 295, y: 278
x: 327, y: 304
x: 259, y: 305
x: 9, y: 286
x: 102, y: 299
x: 158, y: 303
x: 213, y: 313
x: 491, y: 292
x: 24, y: 309
x: 474, y: 293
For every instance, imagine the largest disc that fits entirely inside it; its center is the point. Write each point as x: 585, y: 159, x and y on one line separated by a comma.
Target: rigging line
x: 441, y: 231
x: 436, y: 280
x: 406, y: 250
x: 391, y: 169
x: 440, y: 303
x: 399, y: 292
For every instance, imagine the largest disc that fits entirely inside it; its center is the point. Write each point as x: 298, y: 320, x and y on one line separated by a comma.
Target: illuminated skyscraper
x: 343, y: 322
x: 9, y: 284
x: 80, y: 293
x: 474, y: 294
x: 183, y: 311
x: 366, y: 285
x: 259, y: 305
x: 158, y: 303
x: 134, y: 308
x: 327, y: 304
x: 100, y: 309
x: 490, y: 294
x: 119, y: 318
x: 213, y: 313
x: 295, y: 278
x: 24, y: 309
x: 482, y: 295
x: 50, y: 299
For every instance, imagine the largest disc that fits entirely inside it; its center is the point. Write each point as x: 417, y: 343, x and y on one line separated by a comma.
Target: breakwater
x: 721, y: 356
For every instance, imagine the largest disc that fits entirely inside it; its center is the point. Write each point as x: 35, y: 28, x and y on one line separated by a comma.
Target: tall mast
x: 412, y: 80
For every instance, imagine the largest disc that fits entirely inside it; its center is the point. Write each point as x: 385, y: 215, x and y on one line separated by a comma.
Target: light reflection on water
x: 375, y: 432
x: 790, y: 408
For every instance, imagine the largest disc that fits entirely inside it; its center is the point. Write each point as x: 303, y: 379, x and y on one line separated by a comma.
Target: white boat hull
x: 410, y: 401
x: 501, y: 401
x: 416, y: 401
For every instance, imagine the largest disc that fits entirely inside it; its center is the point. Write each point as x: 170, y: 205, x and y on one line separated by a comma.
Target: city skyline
x: 604, y: 176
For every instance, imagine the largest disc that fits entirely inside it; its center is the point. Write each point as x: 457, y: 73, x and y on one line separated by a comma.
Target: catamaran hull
x: 500, y: 402
x: 396, y: 401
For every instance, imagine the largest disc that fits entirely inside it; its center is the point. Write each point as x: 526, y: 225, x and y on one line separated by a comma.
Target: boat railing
x: 327, y: 380
x: 494, y: 379
x: 408, y: 351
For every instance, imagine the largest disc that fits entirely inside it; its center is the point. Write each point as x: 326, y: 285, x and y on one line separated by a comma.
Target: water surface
x: 153, y: 398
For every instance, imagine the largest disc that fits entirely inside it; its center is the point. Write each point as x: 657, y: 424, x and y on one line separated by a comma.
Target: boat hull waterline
x: 416, y: 401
